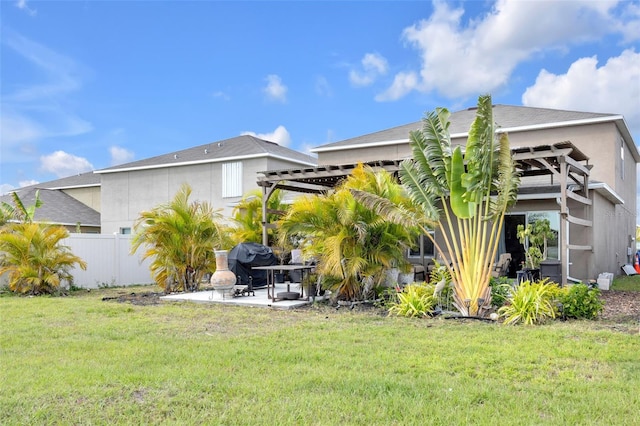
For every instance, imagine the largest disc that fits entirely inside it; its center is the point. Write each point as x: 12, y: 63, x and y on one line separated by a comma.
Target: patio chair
x: 501, y: 267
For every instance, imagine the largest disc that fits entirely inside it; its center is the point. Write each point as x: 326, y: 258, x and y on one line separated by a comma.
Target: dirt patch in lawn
x: 621, y: 306
x: 142, y: 298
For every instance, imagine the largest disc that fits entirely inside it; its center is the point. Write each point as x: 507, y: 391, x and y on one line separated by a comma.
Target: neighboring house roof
x: 57, y: 207
x: 81, y: 180
x: 510, y: 118
x: 238, y: 148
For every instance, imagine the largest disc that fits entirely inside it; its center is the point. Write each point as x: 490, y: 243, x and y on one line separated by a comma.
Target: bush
x: 500, y: 291
x: 581, y: 302
x: 531, y: 303
x: 416, y: 300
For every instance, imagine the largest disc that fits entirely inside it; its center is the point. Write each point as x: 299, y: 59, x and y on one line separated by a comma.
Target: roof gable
x: 57, y: 207
x: 244, y: 146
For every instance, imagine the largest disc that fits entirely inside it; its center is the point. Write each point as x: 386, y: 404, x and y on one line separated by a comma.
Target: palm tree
x: 180, y: 237
x: 352, y: 244
x: 465, y: 196
x: 34, y: 259
x: 247, y: 216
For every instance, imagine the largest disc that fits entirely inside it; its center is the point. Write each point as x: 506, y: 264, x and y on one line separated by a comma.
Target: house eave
x: 618, y: 119
x: 607, y: 192
x: 207, y: 161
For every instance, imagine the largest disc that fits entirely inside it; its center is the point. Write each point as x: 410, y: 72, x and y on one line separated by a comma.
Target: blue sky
x: 86, y: 85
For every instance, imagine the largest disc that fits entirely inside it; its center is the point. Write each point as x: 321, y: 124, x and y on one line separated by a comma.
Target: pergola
x: 566, y: 166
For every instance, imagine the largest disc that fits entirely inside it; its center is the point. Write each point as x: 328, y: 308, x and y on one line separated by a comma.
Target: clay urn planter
x: 223, y: 280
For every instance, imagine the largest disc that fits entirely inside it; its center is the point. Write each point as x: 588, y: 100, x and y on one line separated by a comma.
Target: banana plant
x: 463, y: 193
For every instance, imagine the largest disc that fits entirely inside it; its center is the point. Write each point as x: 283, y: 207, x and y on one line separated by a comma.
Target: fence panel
x: 108, y: 261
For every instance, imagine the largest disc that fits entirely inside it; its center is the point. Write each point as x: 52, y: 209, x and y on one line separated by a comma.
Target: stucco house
x: 578, y: 170
x: 219, y: 172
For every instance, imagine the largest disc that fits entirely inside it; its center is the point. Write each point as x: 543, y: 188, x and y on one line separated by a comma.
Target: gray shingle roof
x: 57, y: 207
x: 76, y: 181
x: 238, y: 147
x: 506, y: 116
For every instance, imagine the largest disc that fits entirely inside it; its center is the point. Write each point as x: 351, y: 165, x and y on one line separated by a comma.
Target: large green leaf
x: 462, y: 208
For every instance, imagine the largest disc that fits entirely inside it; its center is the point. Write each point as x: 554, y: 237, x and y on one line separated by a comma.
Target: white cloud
x: 120, y: 155
x: 611, y: 88
x: 373, y: 66
x: 29, y: 182
x: 5, y: 188
x: 465, y: 58
x: 22, y: 4
x: 403, y: 83
x: 630, y: 28
x: 275, y: 90
x: 63, y: 164
x: 280, y: 136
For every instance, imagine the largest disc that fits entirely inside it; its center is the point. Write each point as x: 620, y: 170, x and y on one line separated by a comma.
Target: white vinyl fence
x: 109, y: 261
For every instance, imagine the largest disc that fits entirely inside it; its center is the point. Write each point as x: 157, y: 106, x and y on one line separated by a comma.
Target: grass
x: 81, y: 360
x: 626, y: 283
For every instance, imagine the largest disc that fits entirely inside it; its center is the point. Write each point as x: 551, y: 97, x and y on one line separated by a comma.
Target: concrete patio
x: 259, y: 300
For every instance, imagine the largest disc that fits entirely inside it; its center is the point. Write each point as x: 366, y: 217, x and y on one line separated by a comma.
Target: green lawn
x: 626, y: 283
x: 81, y: 360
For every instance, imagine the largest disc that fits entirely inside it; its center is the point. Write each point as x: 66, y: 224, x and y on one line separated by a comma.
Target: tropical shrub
x: 352, y: 244
x: 247, y: 217
x: 531, y: 303
x: 415, y: 300
x: 180, y: 237
x: 17, y: 211
x: 581, y: 302
x: 34, y: 259
x: 500, y: 290
x: 464, y: 196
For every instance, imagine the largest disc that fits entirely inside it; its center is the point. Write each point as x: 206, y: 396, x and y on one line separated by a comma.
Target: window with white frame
x: 622, y: 159
x: 232, y: 179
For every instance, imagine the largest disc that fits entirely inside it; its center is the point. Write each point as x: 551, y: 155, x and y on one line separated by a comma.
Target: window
x: 232, y: 179
x: 553, y: 250
x: 125, y: 231
x: 424, y: 248
x: 622, y: 159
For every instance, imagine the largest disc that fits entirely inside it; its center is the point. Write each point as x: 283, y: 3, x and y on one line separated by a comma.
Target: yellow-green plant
x: 531, y: 303
x: 34, y: 259
x: 581, y: 302
x: 179, y: 237
x: 247, y: 217
x: 352, y: 244
x: 415, y: 300
x: 464, y: 195
x: 17, y: 211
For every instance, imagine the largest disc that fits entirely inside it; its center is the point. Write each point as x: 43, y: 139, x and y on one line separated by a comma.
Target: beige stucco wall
x: 351, y: 156
x: 89, y: 196
x: 125, y: 194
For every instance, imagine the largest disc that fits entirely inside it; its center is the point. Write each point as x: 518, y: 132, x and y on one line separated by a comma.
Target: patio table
x: 271, y: 283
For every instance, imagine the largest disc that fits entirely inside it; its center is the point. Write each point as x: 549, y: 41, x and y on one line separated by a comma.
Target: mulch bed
x: 619, y: 306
